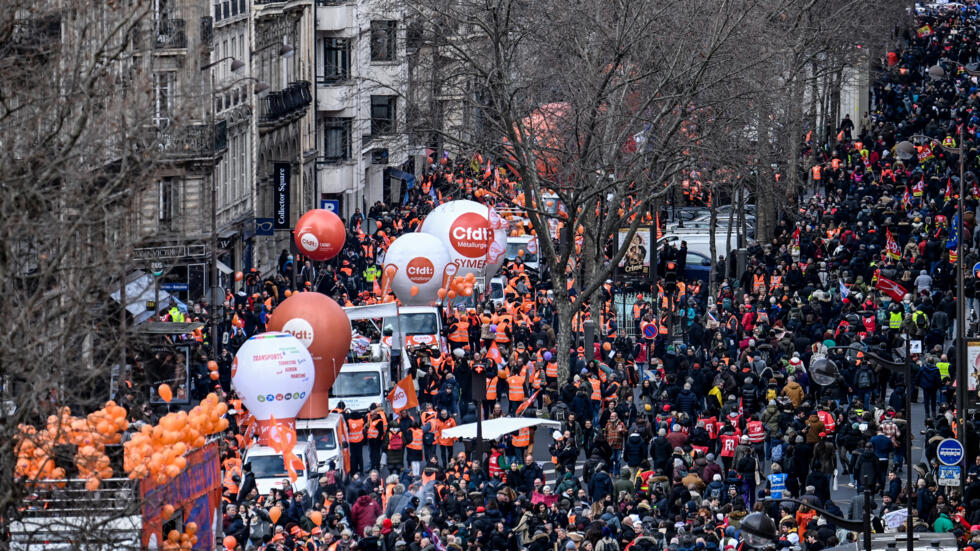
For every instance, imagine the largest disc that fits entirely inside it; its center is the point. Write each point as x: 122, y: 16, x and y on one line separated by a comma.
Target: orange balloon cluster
x: 158, y: 451
x: 213, y: 368
x: 186, y: 540
x: 458, y: 287
x: 90, y: 435
x: 282, y: 438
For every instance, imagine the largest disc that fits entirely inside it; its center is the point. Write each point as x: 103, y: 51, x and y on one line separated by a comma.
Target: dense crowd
x: 669, y: 443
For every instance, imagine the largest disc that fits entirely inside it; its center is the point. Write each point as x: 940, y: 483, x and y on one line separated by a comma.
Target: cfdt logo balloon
x: 273, y: 373
x: 322, y: 326
x: 320, y: 234
x: 418, y: 262
x: 474, y: 235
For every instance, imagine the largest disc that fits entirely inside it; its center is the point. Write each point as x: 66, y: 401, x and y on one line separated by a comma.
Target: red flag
x: 918, y: 188
x: 891, y: 246
x: 527, y: 403
x: 796, y: 242
x: 890, y: 288
x: 949, y: 190
x: 906, y: 199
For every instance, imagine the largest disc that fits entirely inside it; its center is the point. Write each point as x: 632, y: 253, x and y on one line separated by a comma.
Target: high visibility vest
x: 355, y: 430
x: 775, y: 281
x: 492, y: 388
x: 551, y: 370
x: 828, y: 421
x: 538, y: 380
x: 637, y: 311
x: 461, y: 334
x: 515, y: 388
x: 644, y: 477
x: 523, y: 438
x: 372, y: 432
x: 728, y: 444
x: 816, y: 173
x: 894, y: 320
x: 758, y: 283
x: 756, y: 432
x: 501, y: 336
x: 416, y: 443
x: 596, y: 389
x: 447, y: 424
x: 943, y: 369
x: 777, y: 485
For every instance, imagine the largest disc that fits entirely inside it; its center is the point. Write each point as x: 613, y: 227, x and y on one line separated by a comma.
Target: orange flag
x: 494, y: 353
x: 403, y: 396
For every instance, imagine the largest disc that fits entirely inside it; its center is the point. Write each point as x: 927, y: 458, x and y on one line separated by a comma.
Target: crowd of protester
x: 668, y: 442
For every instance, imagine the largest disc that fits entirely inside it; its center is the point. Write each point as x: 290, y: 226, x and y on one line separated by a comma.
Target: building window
x: 217, y: 11
x: 383, y: 114
x: 168, y: 201
x: 383, y: 40
x: 336, y: 60
x: 163, y: 95
x: 337, y: 139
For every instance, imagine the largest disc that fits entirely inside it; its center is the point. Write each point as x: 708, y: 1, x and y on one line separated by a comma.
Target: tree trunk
x: 564, y: 308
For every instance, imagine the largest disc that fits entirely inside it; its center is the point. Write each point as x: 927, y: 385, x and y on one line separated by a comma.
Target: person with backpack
x: 928, y: 379
x: 864, y: 382
x: 396, y: 449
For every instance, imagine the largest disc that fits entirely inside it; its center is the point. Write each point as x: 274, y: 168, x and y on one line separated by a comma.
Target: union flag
x: 891, y: 246
x: 890, y: 288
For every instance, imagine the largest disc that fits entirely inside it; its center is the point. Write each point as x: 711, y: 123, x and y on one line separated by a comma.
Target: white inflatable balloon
x: 419, y: 260
x: 273, y: 374
x: 475, y: 236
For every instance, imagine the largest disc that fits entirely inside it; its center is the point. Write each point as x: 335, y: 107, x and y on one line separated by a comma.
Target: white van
x: 329, y: 439
x: 362, y: 384
x: 421, y: 325
x: 526, y: 243
x: 270, y: 471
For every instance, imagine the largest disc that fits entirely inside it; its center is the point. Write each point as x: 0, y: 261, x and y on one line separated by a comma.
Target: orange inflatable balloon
x: 229, y: 542
x: 322, y: 326
x: 316, y: 517
x: 238, y: 276
x: 274, y: 514
x: 190, y: 528
x: 441, y: 293
x: 168, y: 511
x: 212, y: 365
x: 214, y: 375
x: 173, y: 536
x: 92, y: 484
x: 165, y: 393
x: 320, y: 234
x: 414, y: 290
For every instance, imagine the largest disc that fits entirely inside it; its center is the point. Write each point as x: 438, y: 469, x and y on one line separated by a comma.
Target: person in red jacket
x: 364, y: 513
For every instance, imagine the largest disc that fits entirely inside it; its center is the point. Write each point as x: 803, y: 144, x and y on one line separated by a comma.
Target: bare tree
x: 77, y: 152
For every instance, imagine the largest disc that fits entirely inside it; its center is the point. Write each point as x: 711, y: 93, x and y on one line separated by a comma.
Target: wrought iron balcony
x: 170, y: 34
x: 193, y: 141
x: 282, y: 104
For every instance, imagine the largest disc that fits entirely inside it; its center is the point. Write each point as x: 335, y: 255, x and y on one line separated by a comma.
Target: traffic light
x: 670, y: 276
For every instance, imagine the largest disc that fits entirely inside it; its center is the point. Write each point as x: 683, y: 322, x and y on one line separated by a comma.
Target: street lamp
x: 759, y: 530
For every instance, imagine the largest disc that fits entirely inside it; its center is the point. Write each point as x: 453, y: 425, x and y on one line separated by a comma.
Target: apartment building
x: 362, y: 80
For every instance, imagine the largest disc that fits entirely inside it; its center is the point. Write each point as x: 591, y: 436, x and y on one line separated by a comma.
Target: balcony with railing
x: 286, y: 105
x: 169, y: 34
x: 193, y: 141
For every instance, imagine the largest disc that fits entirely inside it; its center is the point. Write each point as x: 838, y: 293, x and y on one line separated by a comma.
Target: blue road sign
x: 949, y: 475
x: 174, y: 286
x: 333, y: 205
x: 950, y: 452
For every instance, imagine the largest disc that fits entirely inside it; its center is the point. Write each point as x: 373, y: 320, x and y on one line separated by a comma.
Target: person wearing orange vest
x: 520, y: 443
x: 758, y: 282
x: 459, y: 335
x: 377, y: 426
x: 429, y: 426
x: 443, y: 422
x: 355, y: 436
x: 413, y: 449
x: 515, y: 392
x: 595, y: 396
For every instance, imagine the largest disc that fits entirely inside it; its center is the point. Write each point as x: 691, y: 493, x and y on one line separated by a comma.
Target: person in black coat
x: 634, y: 450
x: 247, y: 485
x: 661, y: 450
x: 600, y: 485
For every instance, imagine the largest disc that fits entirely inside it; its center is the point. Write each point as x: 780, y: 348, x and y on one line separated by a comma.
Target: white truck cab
x: 270, y: 470
x: 360, y: 385
x: 526, y: 243
x: 329, y: 439
x: 421, y: 325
